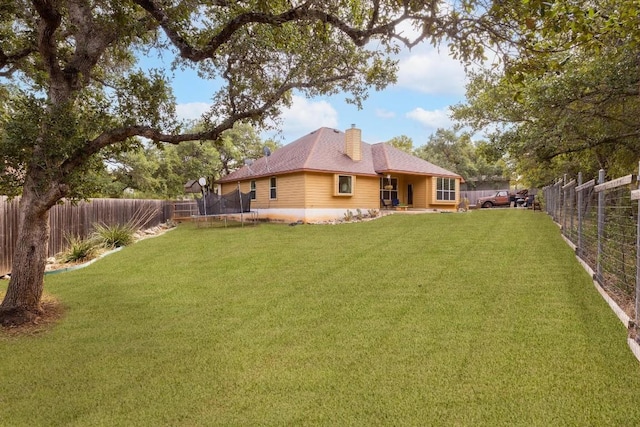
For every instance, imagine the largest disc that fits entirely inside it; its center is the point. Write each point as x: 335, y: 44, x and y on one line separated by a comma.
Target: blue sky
x: 428, y: 83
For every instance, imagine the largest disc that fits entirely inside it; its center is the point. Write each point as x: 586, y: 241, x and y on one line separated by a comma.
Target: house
x: 327, y: 172
x: 192, y: 186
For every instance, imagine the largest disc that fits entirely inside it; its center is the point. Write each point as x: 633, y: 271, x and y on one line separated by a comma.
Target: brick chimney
x: 353, y: 143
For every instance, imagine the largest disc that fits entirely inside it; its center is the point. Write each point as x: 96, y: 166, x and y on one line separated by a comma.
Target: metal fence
x: 78, y: 220
x: 600, y: 218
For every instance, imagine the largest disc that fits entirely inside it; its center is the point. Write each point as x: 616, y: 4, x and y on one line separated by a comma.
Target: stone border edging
x: 83, y: 265
x: 88, y: 263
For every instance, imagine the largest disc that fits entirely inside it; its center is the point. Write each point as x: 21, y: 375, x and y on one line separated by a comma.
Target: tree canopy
x: 566, y: 98
x: 582, y: 118
x: 455, y: 151
x: 402, y: 142
x: 161, y: 172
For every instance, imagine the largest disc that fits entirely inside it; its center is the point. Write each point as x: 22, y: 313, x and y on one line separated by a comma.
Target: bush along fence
x: 599, y: 218
x: 78, y: 220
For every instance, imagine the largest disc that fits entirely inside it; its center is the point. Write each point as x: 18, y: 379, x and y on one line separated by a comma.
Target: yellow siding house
x: 327, y: 172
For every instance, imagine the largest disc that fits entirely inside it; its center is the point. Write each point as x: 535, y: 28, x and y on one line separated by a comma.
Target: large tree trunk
x: 22, y: 301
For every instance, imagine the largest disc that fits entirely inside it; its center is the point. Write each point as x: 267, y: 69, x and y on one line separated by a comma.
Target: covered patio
x: 404, y: 191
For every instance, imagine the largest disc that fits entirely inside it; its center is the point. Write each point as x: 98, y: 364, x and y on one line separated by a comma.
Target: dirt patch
x: 52, y: 312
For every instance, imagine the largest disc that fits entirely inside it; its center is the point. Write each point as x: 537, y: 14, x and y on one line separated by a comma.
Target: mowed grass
x: 483, y: 318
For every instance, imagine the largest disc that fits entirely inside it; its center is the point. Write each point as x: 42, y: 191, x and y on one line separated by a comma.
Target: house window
x: 446, y: 189
x: 273, y: 188
x: 344, y: 185
x: 253, y: 190
x: 388, y: 188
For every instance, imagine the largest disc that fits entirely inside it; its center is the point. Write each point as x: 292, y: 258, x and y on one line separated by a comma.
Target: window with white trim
x: 273, y: 188
x: 253, y: 190
x: 445, y: 189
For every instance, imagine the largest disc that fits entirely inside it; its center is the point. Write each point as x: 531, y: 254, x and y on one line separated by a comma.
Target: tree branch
x: 49, y: 23
x: 299, y: 13
x: 114, y: 136
x: 596, y: 143
x: 11, y: 61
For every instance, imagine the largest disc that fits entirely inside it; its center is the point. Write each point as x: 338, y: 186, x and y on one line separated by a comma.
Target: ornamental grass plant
x: 79, y: 250
x: 478, y: 318
x: 114, y: 235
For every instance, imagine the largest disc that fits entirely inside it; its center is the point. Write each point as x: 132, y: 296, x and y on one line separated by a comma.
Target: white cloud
x: 431, y: 119
x: 431, y: 72
x: 305, y: 116
x: 384, y: 114
x: 191, y: 110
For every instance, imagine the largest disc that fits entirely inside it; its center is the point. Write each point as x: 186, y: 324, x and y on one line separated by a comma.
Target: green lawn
x: 482, y: 318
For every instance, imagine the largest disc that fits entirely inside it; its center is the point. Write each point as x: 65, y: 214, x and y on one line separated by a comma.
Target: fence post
x: 601, y: 201
x: 554, y: 196
x: 563, y: 208
x: 560, y: 202
x: 579, y: 207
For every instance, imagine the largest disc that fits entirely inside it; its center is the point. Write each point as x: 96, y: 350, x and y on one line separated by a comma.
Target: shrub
x: 79, y: 250
x: 114, y: 236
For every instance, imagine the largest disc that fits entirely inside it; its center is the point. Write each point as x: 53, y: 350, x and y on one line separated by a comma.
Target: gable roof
x: 323, y: 151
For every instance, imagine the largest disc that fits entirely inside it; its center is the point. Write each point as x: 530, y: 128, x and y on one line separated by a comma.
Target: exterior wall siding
x: 309, y: 196
x: 321, y: 193
x: 289, y: 191
x: 420, y: 190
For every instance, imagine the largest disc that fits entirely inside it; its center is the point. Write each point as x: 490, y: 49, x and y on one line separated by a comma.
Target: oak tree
x: 73, y: 94
x: 565, y: 94
x: 581, y: 117
x: 454, y: 150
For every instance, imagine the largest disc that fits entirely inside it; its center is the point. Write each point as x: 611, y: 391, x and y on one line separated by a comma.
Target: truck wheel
x: 487, y: 205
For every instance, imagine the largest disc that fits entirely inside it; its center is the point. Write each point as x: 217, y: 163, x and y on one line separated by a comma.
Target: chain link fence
x: 600, y: 218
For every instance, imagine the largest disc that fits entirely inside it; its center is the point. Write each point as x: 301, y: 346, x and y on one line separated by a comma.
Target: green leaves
x: 93, y: 100
x: 579, y: 115
x: 456, y: 152
x: 145, y: 100
x: 161, y: 171
x: 402, y: 142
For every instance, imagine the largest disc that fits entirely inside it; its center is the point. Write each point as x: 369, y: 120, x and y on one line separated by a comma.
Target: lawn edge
x: 622, y: 316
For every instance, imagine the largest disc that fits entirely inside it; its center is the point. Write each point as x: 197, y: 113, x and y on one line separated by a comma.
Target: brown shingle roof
x: 391, y: 159
x: 323, y: 151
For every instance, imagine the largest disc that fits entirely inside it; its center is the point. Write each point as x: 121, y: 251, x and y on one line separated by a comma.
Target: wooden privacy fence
x: 78, y: 220
x: 600, y: 218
